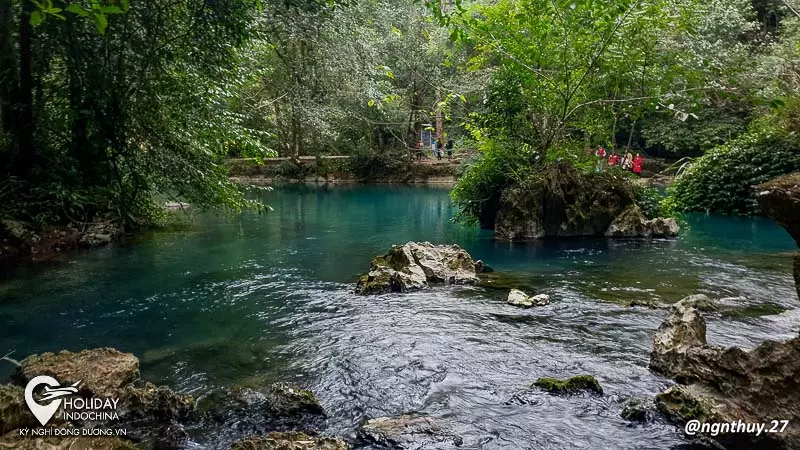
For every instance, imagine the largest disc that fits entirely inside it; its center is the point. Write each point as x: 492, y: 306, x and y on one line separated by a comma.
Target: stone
x: 683, y: 331
x: 780, y: 200
x: 519, y: 298
x: 726, y: 384
x: 632, y: 223
x: 636, y: 410
x: 102, y: 371
x: 407, y: 432
x: 571, y: 385
x: 414, y: 266
x: 292, y: 440
x: 290, y: 407
x: 15, y: 441
x: 99, y: 234
x: 560, y: 201
x: 152, y: 402
x: 14, y: 413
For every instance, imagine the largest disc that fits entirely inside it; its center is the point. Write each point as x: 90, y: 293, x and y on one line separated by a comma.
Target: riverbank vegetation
x: 111, y: 107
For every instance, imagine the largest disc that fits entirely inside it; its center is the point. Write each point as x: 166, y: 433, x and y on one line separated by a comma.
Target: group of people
x: 437, y: 148
x: 627, y: 162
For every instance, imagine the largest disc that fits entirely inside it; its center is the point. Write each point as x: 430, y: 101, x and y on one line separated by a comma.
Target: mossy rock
x: 680, y: 405
x: 572, y: 385
x: 636, y: 410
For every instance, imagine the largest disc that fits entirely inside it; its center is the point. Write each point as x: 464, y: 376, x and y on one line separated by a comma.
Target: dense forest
x: 111, y: 107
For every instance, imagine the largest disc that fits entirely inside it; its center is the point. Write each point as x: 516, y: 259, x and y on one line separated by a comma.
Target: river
x: 254, y: 299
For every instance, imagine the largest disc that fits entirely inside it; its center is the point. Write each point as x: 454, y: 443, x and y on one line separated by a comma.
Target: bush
x: 497, y: 166
x: 371, y: 166
x: 649, y: 201
x: 722, y: 181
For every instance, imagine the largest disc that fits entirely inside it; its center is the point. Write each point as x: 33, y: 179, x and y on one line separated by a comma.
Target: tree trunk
x: 8, y: 77
x: 26, y: 156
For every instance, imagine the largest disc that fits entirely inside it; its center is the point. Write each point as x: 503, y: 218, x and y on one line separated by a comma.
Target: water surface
x: 262, y: 298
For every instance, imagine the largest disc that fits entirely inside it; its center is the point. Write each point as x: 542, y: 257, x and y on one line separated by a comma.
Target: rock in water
x: 727, y: 384
x: 102, y: 371
x: 519, y: 298
x: 407, y: 432
x: 560, y: 201
x: 780, y: 200
x: 147, y: 412
x: 636, y: 410
x: 632, y: 223
x: 292, y: 440
x: 414, y: 265
x: 572, y: 385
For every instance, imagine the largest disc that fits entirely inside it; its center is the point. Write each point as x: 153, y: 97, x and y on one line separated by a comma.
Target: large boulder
x: 780, y: 200
x: 102, y: 371
x: 149, y: 413
x: 414, y: 265
x: 632, y: 223
x: 727, y: 384
x: 407, y: 432
x: 561, y: 201
x: 293, y: 440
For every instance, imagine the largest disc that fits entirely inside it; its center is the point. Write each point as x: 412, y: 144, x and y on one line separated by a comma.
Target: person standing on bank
x: 449, y: 148
x: 638, y: 161
x: 439, y: 146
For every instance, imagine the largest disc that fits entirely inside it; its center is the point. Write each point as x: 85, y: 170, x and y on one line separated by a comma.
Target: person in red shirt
x: 601, y: 152
x: 637, y: 164
x: 613, y: 159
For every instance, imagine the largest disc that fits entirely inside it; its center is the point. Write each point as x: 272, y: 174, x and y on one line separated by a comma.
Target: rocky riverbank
x: 22, y: 241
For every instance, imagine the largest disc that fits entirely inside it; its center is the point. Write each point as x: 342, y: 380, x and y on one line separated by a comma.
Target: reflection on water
x: 267, y: 297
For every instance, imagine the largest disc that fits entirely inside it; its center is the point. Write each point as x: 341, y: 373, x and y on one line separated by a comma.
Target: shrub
x: 722, y: 180
x: 372, y: 166
x: 649, y: 201
x: 497, y: 166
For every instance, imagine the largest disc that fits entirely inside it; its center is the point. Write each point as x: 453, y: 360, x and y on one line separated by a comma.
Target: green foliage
x: 723, y: 180
x: 377, y: 166
x: 649, y: 201
x: 497, y: 166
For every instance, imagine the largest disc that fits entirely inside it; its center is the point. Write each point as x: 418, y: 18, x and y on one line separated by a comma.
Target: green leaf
x: 101, y: 23
x: 37, y: 17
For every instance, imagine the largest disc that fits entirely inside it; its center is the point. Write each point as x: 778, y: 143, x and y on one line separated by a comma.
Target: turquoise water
x: 261, y: 298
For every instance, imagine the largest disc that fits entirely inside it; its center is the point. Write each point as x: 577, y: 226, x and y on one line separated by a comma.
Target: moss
x: 680, y: 407
x: 569, y: 386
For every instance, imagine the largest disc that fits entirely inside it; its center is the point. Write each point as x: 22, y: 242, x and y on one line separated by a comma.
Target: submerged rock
x: 519, y: 298
x: 727, y: 384
x: 780, y: 200
x: 632, y: 223
x: 407, y: 432
x: 287, y: 400
x: 101, y: 371
x: 637, y: 410
x: 571, y: 385
x: 154, y: 402
x: 414, y: 265
x: 292, y: 440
